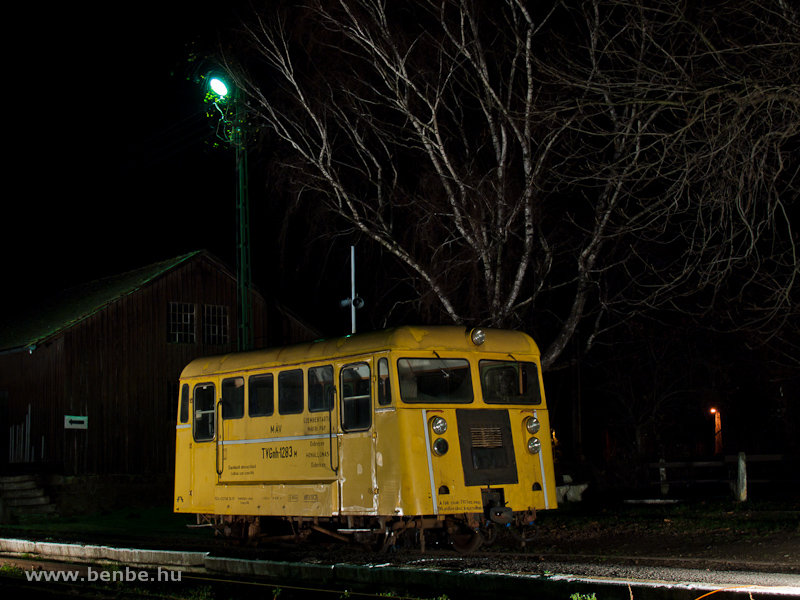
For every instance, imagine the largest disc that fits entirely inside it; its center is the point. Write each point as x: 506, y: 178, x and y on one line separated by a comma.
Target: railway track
x: 708, y: 564
x: 59, y: 579
x: 412, y: 575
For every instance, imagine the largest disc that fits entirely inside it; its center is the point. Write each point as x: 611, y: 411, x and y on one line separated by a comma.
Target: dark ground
x: 765, y: 536
x: 755, y: 536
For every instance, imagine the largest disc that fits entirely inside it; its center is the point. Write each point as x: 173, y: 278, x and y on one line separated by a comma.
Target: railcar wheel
x: 383, y: 543
x: 489, y: 534
x: 466, y: 541
x: 525, y: 533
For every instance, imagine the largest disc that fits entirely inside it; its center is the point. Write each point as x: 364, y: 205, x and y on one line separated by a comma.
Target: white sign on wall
x: 74, y: 422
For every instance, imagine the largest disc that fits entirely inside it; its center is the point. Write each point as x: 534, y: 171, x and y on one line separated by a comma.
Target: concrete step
x: 23, y: 482
x: 24, y: 496
x: 18, y: 478
x: 26, y: 493
x: 36, y: 501
x: 45, y: 509
x: 6, y: 488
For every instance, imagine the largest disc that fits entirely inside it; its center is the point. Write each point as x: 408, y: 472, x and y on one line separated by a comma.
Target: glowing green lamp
x: 218, y: 87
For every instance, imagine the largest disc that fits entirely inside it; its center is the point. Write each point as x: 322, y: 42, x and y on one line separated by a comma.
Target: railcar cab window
x: 510, y: 382
x: 184, y: 416
x: 204, y: 412
x: 384, y: 383
x: 320, y: 388
x: 261, y: 394
x: 356, y: 393
x: 233, y: 398
x: 290, y: 392
x: 435, y: 380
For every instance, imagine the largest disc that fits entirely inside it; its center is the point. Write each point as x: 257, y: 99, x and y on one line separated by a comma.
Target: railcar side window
x: 356, y: 406
x: 184, y: 417
x: 290, y: 392
x: 384, y: 383
x: 262, y: 395
x: 439, y: 380
x: 233, y: 398
x: 204, y: 413
x: 510, y: 382
x: 320, y: 388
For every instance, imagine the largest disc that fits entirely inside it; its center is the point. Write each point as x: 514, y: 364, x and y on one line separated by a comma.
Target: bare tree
x: 689, y: 133
x: 543, y: 167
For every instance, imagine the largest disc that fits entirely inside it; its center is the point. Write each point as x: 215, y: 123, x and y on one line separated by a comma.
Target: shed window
x: 181, y: 323
x: 215, y: 324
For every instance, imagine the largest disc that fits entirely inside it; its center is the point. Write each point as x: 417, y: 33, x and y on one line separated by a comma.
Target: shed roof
x: 71, y: 306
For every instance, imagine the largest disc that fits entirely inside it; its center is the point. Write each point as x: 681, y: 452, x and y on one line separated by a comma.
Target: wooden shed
x: 88, y: 382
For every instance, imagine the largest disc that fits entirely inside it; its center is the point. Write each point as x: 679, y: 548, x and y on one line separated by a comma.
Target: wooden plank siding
x: 117, y: 367
x: 28, y: 379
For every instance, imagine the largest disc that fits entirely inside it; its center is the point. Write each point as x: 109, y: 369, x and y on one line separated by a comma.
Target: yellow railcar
x: 415, y: 431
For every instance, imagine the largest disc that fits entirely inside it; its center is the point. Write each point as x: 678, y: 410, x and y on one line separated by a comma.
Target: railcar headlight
x: 532, y: 425
x: 440, y: 447
x: 439, y: 425
x: 534, y: 445
x: 478, y: 336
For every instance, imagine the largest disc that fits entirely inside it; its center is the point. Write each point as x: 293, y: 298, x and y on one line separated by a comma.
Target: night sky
x: 110, y: 168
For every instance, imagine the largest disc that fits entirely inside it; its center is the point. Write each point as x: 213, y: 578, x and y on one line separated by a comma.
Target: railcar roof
x: 443, y: 338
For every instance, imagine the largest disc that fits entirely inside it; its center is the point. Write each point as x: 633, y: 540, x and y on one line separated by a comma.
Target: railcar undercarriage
x: 463, y: 532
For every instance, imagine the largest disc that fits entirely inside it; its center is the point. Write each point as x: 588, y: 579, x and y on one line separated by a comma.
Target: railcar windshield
x: 435, y: 380
x: 510, y: 382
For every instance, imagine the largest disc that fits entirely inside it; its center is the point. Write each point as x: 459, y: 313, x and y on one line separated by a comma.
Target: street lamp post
x: 235, y: 132
x: 717, y: 431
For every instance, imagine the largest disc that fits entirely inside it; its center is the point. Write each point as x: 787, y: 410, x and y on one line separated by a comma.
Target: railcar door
x: 204, y: 426
x: 230, y: 417
x: 357, y: 450
x: 183, y: 453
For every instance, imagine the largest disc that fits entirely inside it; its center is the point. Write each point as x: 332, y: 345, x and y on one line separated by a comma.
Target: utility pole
x: 353, y: 301
x: 244, y: 275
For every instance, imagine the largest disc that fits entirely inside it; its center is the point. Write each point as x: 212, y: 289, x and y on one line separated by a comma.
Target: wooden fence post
x: 662, y: 474
x: 741, y: 479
